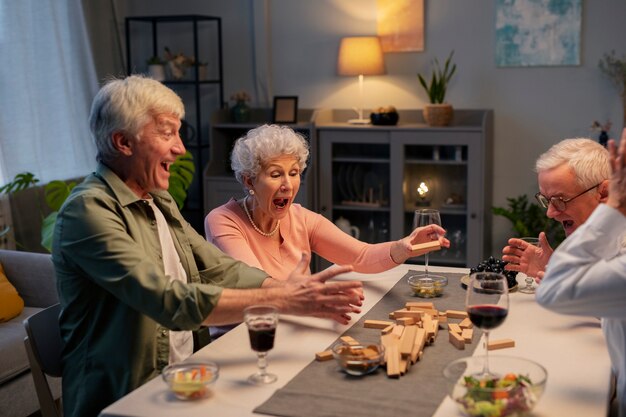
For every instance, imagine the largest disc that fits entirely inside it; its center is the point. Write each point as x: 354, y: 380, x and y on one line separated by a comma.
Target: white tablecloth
x: 572, y: 350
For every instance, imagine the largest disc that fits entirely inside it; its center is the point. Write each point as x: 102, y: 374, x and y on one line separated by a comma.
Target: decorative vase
x: 438, y: 114
x: 240, y: 112
x: 157, y: 71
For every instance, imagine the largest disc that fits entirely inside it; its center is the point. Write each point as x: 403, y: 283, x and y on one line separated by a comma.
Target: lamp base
x: 359, y: 121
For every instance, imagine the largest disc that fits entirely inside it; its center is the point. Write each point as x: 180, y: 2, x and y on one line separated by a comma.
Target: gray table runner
x: 321, y: 389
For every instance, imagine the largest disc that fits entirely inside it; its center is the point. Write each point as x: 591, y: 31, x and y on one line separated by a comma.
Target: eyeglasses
x: 559, y: 203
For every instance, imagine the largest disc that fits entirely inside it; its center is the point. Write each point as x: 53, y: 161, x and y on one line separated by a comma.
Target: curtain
x: 47, y: 83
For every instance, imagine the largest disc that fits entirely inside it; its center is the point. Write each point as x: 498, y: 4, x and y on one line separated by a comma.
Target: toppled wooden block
x: 387, y: 329
x: 467, y: 335
x: 456, y: 314
x: 324, y: 356
x: 434, y: 244
x: 393, y: 360
x: 376, y: 324
x: 430, y: 311
x: 453, y: 327
x: 456, y: 340
x: 414, y: 314
x: 466, y: 324
x: 418, y: 344
x: 420, y: 304
x: 397, y: 331
x: 407, y: 340
x: 405, y: 321
x: 349, y: 340
x: 500, y: 344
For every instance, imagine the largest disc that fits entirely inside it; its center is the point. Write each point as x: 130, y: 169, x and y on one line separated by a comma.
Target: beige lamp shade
x: 361, y: 55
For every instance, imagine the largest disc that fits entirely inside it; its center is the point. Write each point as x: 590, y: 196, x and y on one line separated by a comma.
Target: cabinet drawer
x: 354, y: 136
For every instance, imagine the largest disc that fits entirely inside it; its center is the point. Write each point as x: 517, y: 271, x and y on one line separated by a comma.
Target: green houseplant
x: 528, y: 219
x: 438, y: 113
x: 56, y: 192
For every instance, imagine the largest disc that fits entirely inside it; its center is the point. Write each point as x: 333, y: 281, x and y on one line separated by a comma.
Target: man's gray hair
x: 588, y: 159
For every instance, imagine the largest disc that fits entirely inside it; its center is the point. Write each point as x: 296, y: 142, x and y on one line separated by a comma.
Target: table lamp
x: 360, y: 55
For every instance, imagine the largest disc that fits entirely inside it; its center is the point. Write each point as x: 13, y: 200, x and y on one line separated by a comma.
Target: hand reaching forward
x: 401, y: 250
x: 617, y: 183
x: 311, y: 295
x: 524, y: 257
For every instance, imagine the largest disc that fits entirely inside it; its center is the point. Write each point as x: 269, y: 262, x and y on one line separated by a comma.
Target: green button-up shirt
x: 117, y: 303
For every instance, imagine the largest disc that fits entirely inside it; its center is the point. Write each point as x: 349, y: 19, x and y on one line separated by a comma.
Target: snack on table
x: 492, y: 264
x: 189, y: 381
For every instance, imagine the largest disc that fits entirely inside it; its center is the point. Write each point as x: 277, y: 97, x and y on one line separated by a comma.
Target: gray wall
x: 289, y: 47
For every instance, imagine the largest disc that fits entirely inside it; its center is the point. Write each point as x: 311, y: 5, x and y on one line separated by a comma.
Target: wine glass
x: 261, y: 321
x: 425, y: 217
x: 487, y: 304
x: 529, y: 288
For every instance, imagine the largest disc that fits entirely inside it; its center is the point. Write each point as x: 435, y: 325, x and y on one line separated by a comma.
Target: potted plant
x: 156, y: 68
x: 438, y: 113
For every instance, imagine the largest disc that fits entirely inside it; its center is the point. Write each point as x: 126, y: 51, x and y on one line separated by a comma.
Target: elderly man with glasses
x: 573, y: 178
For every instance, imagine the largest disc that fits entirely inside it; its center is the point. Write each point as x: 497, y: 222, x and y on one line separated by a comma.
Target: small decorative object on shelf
x: 384, y: 116
x: 602, y: 130
x: 438, y: 113
x: 156, y: 68
x: 240, y: 112
x: 178, y: 63
x: 615, y: 69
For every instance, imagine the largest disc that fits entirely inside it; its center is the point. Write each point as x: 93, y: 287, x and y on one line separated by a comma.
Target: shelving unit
x: 369, y: 175
x: 199, y: 37
x: 219, y: 181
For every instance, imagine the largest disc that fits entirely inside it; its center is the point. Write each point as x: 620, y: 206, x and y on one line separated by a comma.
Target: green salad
x: 510, y: 395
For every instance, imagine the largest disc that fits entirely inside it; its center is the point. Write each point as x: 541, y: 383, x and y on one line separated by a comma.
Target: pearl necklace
x: 270, y: 234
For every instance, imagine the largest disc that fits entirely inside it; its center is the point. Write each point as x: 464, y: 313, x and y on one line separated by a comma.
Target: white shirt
x: 586, y: 276
x: 181, y: 342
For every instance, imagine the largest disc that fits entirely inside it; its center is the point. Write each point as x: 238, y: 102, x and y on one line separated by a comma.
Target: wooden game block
x: 414, y: 314
x: 456, y: 314
x: 443, y: 318
x: 456, y: 340
x: 405, y: 365
x: 388, y: 329
x: 392, y: 315
x: 397, y: 331
x: 435, y: 328
x: 408, y: 340
x: 467, y: 335
x: 453, y: 327
x: 376, y: 324
x: 324, y: 356
x: 501, y: 344
x: 387, y: 340
x: 466, y: 324
x: 349, y: 340
x: 428, y: 326
x: 434, y: 244
x: 420, y: 304
x: 405, y: 321
x: 418, y: 344
x: 432, y: 312
x: 393, y: 361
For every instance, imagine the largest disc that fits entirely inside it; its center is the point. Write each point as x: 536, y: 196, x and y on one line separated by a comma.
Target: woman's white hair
x: 126, y: 105
x: 252, y: 151
x: 588, y: 159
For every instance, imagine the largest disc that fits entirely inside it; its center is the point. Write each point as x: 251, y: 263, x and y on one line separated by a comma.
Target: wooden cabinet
x: 219, y: 181
x: 369, y: 175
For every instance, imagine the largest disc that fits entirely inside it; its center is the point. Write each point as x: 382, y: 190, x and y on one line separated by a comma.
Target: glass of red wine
x: 487, y: 304
x: 261, y: 321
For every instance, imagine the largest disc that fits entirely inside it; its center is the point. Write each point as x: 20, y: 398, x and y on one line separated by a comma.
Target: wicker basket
x: 438, y: 114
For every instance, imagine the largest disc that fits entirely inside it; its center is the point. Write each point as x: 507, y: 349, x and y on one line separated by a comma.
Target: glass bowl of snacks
x: 427, y: 286
x: 358, y: 360
x: 512, y: 388
x: 190, y: 380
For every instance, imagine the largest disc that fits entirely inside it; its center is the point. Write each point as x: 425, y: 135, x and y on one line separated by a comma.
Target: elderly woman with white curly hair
x: 266, y: 229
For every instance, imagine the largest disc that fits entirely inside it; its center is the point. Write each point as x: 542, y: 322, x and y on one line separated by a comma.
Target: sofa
x: 32, y: 274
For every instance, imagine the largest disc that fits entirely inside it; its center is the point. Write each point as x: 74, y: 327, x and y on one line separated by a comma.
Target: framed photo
x: 285, y: 109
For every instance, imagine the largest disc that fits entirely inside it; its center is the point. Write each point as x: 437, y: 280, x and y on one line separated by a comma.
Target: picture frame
x: 285, y: 109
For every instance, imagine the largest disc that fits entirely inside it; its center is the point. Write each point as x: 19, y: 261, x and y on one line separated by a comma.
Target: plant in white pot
x: 438, y: 112
x: 156, y: 68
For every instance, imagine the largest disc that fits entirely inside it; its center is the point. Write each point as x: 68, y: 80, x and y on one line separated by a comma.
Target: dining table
x: 572, y: 349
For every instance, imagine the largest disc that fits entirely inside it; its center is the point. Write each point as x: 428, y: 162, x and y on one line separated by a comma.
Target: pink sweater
x: 302, y: 231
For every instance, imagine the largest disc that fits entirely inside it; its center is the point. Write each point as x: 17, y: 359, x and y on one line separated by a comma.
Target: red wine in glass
x: 487, y: 305
x: 487, y: 316
x: 261, y: 321
x: 262, y: 336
